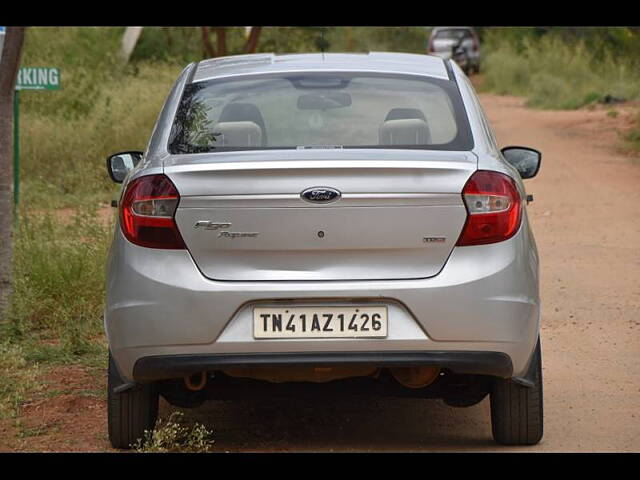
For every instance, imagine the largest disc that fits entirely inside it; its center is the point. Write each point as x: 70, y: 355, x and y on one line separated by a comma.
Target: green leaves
x: 173, y: 435
x: 554, y: 73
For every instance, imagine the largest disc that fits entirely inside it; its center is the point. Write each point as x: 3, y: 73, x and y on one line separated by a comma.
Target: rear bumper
x: 149, y: 369
x: 164, y: 318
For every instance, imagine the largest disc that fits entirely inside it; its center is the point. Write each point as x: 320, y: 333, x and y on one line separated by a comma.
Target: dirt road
x: 586, y: 218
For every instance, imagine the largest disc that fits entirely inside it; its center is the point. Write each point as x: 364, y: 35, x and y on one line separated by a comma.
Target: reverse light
x: 494, y: 208
x: 147, y: 210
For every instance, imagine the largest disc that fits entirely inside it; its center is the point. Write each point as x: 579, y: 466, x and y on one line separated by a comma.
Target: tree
x: 221, y: 33
x: 9, y: 65
x: 220, y: 50
x: 208, y: 48
x: 129, y: 41
x: 252, y: 41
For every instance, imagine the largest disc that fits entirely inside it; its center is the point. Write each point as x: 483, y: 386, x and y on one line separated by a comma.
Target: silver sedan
x: 317, y: 218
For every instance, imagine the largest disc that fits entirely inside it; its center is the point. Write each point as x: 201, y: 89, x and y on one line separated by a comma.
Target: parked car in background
x: 460, y: 43
x: 324, y: 218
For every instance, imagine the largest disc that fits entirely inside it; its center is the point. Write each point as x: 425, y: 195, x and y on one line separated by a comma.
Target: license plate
x: 320, y: 322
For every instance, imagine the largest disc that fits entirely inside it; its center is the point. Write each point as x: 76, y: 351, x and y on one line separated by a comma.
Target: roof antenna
x: 321, y: 42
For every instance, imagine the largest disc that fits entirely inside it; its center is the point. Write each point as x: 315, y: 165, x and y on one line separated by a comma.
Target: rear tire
x: 516, y: 410
x: 131, y: 412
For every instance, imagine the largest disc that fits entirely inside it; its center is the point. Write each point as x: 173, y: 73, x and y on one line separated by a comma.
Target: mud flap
x: 529, y: 378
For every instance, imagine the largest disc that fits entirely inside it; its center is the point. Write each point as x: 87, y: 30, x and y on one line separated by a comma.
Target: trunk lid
x: 242, y: 216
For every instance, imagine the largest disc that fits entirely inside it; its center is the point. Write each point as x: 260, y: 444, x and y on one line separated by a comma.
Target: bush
x: 86, y: 56
x: 17, y: 377
x: 553, y: 73
x: 58, y: 287
x: 172, y: 435
x: 386, y: 39
x: 63, y: 155
x: 185, y: 44
x: 633, y: 136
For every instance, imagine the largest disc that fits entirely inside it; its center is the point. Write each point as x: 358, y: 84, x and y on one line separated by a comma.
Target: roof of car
x: 359, y: 62
x: 452, y: 28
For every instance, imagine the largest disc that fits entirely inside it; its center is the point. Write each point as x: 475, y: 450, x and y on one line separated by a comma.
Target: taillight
x: 493, y: 207
x: 431, y: 49
x: 146, y: 213
x: 475, y: 44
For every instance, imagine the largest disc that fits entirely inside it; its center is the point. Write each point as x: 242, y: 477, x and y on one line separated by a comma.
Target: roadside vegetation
x: 633, y: 136
x: 174, y: 434
x: 60, y: 241
x: 558, y: 68
x: 17, y: 377
x: 565, y: 68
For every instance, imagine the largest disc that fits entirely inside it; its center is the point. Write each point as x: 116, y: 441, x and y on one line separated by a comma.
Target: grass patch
x: 173, y: 435
x: 58, y: 289
x: 31, y: 432
x: 633, y: 136
x: 39, y: 350
x: 17, y: 378
x: 555, y: 74
x: 63, y: 156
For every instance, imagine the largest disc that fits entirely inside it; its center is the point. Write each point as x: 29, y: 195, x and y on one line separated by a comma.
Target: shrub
x: 63, y: 157
x: 633, y: 136
x: 58, y: 287
x: 553, y: 73
x: 17, y: 377
x: 172, y: 435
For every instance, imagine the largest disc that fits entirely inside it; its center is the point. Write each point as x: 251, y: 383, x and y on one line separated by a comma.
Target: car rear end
x: 320, y: 224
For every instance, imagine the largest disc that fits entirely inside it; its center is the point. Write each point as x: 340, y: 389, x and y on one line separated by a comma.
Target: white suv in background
x: 443, y: 40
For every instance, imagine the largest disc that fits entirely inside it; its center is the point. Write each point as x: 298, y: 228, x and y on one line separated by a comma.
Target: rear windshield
x: 453, y: 34
x: 320, y: 110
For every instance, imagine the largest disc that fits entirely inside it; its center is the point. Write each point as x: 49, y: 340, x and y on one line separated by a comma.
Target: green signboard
x: 38, y: 78
x: 29, y: 78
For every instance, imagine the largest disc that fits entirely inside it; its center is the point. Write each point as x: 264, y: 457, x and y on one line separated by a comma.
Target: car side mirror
x: 119, y: 164
x: 524, y: 159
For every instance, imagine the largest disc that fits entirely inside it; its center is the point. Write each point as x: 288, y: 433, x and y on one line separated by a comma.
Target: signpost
x: 29, y: 78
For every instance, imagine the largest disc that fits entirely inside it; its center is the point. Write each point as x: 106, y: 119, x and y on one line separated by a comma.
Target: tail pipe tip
x: 196, y: 382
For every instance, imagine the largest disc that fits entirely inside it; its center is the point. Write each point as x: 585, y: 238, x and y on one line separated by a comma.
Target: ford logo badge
x: 321, y: 195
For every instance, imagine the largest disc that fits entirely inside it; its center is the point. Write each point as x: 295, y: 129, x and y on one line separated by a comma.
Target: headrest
x: 244, y: 112
x: 409, y: 131
x: 238, y: 134
x: 404, y: 113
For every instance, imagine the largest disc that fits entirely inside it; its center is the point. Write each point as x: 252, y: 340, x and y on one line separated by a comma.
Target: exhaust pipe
x: 415, y: 377
x: 196, y: 382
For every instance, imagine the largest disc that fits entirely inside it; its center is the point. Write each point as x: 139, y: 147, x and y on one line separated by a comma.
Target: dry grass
x: 554, y: 74
x: 63, y: 157
x: 17, y: 377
